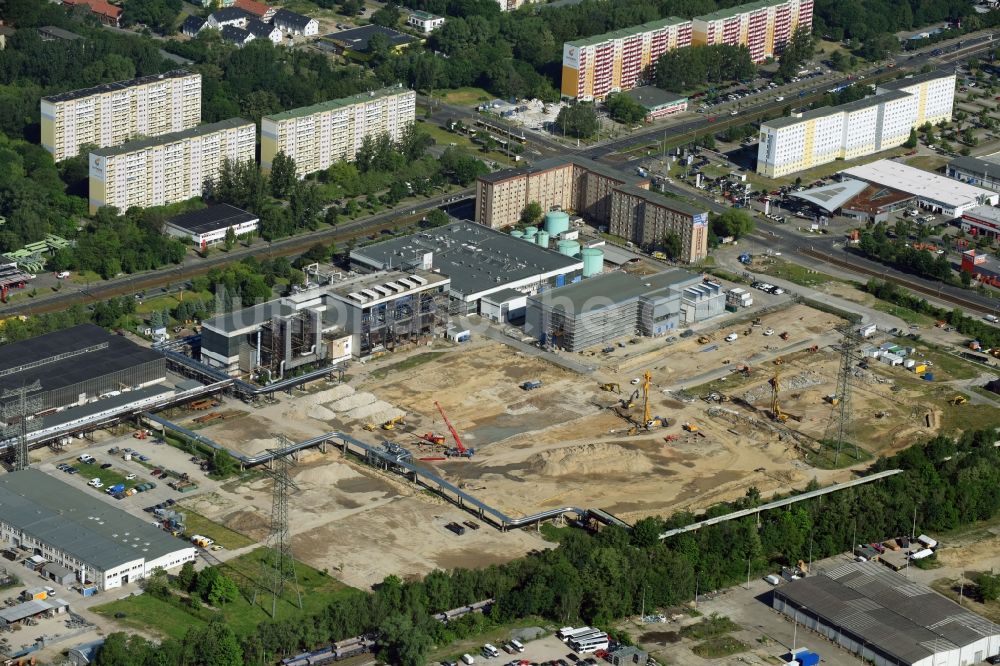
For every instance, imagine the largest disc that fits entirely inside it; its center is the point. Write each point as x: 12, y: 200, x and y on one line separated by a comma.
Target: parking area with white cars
x: 768, y: 288
x: 546, y: 651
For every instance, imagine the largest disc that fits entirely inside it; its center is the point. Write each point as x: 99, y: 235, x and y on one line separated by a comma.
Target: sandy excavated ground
x: 559, y: 445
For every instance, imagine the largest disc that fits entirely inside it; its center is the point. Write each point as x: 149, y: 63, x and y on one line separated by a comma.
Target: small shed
x: 84, y: 654
x: 867, y: 331
x: 34, y: 562
x: 34, y: 608
x: 628, y: 655
x: 58, y: 573
x: 34, y: 593
x: 892, y: 359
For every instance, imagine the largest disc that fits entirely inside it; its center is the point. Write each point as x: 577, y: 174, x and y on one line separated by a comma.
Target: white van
x: 991, y: 318
x: 467, y: 659
x: 516, y: 644
x: 490, y: 651
x: 62, y: 275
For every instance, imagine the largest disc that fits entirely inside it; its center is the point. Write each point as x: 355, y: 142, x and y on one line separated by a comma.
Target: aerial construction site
x: 646, y: 427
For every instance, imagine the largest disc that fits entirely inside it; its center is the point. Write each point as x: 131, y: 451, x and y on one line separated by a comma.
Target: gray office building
x: 606, y: 307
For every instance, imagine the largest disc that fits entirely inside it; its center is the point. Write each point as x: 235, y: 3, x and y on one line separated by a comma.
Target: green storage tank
x: 517, y: 233
x: 542, y: 238
x: 556, y: 222
x: 593, y: 261
x: 529, y: 233
x: 569, y: 248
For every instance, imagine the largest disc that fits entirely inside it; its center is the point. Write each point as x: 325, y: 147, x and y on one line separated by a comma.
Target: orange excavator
x: 459, y: 449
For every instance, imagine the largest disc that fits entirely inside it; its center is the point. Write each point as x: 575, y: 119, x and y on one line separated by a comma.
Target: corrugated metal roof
x: 78, y: 523
x: 906, y: 620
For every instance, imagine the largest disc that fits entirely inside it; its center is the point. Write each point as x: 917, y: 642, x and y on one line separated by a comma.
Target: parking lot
x: 548, y: 650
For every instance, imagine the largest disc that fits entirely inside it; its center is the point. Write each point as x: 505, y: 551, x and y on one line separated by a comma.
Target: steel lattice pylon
x: 841, y: 428
x: 16, y: 406
x: 278, y: 566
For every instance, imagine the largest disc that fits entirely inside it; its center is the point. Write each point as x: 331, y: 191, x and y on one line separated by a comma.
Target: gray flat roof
x: 660, y: 199
x: 30, y: 609
x: 476, y: 258
x: 847, y: 107
x: 117, y: 85
x: 123, y: 400
x: 614, y: 289
x: 985, y: 164
x: 555, y: 163
x: 237, y: 320
x: 163, y: 139
x: 78, y: 523
x: 107, y: 354
x: 211, y: 218
x: 505, y: 295
x: 652, y: 97
x: 915, y: 79
x: 906, y: 620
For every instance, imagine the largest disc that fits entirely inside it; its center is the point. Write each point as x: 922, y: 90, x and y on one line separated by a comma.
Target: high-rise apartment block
x: 598, y: 193
x: 317, y: 136
x: 764, y: 27
x: 113, y: 113
x: 596, y: 66
x: 856, y: 129
x: 170, y: 168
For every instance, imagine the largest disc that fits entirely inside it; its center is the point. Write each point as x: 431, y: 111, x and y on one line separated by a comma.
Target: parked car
x: 105, y: 465
x: 129, y: 477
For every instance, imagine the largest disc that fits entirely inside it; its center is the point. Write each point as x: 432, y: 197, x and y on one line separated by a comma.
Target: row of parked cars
x: 769, y: 288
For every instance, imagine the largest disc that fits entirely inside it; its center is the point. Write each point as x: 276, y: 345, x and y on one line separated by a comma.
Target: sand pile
x: 320, y: 412
x: 336, y: 393
x: 353, y: 401
x: 589, y: 459
x: 370, y: 411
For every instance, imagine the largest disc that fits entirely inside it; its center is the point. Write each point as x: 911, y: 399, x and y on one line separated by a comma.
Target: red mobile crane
x: 459, y: 449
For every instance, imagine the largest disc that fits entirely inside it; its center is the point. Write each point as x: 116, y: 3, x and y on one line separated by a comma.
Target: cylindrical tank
x: 556, y: 222
x: 542, y: 238
x: 529, y: 233
x: 593, y: 261
x: 569, y: 248
x: 517, y: 233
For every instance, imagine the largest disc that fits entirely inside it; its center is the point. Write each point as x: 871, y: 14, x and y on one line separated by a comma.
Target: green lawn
x: 786, y: 270
x: 195, y: 523
x: 467, y: 96
x: 907, y: 315
x: 927, y: 162
x: 173, y: 618
x: 967, y: 417
x: 826, y: 457
x: 147, y: 613
x: 720, y: 646
x: 169, y: 301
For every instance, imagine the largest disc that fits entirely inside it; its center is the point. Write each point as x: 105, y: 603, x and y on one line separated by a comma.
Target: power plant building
x: 99, y: 543
x: 77, y: 366
x: 319, y: 135
x: 611, y: 306
x: 479, y: 262
x: 357, y: 316
x: 113, y: 113
x: 885, y: 618
x: 170, y: 168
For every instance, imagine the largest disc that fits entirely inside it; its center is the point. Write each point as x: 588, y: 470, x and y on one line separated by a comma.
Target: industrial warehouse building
x: 607, y: 307
x: 479, y: 261
x: 77, y: 530
x: 357, y: 316
x: 983, y: 171
x: 78, y: 365
x: 935, y: 192
x: 208, y: 226
x: 886, y: 619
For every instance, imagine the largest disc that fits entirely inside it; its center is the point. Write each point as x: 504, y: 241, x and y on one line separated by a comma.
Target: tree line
x: 876, y: 243
x: 600, y: 578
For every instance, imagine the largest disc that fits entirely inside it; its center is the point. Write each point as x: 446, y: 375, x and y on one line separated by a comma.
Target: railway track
x: 965, y: 303
x: 283, y: 248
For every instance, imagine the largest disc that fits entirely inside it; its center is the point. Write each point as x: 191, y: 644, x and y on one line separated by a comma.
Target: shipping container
x: 807, y: 659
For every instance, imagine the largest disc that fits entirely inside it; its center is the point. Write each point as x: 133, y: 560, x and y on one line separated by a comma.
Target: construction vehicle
x: 783, y: 335
x: 814, y: 349
x: 370, y: 426
x: 704, y: 340
x: 629, y: 402
x: 833, y: 399
x: 433, y: 438
x: 459, y: 450
x: 778, y: 361
x: 531, y: 385
x: 392, y: 423
x: 612, y: 386
x: 744, y: 370
x: 775, y: 407
x: 690, y: 427
x: 958, y: 400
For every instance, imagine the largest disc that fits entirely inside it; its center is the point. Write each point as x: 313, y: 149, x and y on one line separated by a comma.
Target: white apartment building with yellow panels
x: 856, y: 129
x: 113, y: 113
x: 170, y: 168
x: 319, y: 135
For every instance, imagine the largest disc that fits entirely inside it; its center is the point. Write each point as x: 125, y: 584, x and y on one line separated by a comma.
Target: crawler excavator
x: 612, y: 387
